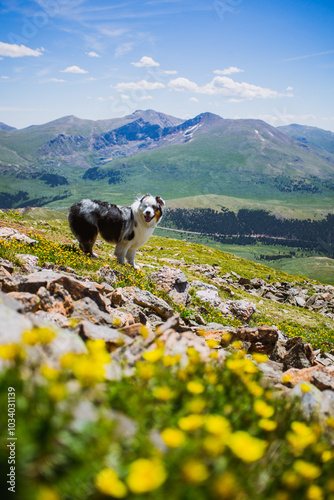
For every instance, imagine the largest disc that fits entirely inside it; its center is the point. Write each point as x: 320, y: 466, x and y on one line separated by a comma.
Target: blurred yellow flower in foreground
x: 11, y: 352
x: 195, y: 387
x: 195, y: 471
x: 48, y: 494
x: 173, y: 437
x: 163, y: 393
x: 246, y: 447
x: 108, y: 483
x: 146, y: 475
x: 262, y: 409
x: 38, y: 335
x: 191, y: 423
x: 154, y: 356
x: 306, y: 469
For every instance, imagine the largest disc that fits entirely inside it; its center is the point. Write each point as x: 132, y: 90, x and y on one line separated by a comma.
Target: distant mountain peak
x: 3, y: 126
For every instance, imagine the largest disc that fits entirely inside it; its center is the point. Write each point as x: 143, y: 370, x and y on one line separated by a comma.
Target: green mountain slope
x: 313, y: 136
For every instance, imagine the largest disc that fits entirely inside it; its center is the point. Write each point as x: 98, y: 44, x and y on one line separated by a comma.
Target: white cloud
x: 123, y: 49
x: 13, y: 50
x: 142, y: 84
x: 146, y: 97
x: 4, y: 77
x: 228, y: 71
x: 56, y: 80
x: 222, y: 85
x: 92, y: 54
x: 75, y: 70
x: 124, y: 96
x: 182, y: 84
x: 170, y: 72
x: 193, y: 99
x: 145, y: 62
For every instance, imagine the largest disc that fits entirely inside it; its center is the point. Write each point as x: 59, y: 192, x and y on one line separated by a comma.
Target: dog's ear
x: 160, y: 201
x: 143, y: 197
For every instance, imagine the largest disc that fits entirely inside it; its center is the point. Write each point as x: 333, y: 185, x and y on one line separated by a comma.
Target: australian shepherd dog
x: 127, y: 227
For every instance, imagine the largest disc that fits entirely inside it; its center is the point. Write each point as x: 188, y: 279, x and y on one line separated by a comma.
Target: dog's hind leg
x: 87, y: 245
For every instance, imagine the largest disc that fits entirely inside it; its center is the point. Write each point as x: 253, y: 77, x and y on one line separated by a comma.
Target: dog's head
x: 151, y: 209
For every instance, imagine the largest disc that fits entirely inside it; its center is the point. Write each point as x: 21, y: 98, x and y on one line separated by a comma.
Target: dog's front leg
x: 130, y: 257
x: 120, y: 251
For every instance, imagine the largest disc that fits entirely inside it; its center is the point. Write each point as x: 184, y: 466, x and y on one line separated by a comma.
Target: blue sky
x: 98, y: 59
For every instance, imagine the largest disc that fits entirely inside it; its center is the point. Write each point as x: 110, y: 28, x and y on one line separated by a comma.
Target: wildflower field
x: 171, y: 427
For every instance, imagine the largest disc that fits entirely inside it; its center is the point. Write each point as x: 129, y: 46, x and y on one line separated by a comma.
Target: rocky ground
x: 129, y: 319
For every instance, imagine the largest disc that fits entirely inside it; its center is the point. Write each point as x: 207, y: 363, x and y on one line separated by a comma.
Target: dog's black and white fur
x: 128, y: 227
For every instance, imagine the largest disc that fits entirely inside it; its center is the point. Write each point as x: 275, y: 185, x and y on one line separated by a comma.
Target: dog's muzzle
x: 148, y: 217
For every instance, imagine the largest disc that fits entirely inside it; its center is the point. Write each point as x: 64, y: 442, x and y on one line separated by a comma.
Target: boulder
x: 174, y: 283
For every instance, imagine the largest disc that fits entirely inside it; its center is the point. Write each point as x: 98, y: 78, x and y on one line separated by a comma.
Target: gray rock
x: 209, y: 295
x: 112, y: 337
x: 174, y: 283
x: 144, y: 298
x: 242, y: 309
x: 87, y: 309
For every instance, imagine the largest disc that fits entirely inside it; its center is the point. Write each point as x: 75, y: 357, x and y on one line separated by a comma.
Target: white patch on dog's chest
x: 141, y: 236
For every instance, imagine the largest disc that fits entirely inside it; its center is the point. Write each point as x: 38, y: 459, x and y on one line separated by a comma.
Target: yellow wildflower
x: 212, y: 343
x: 38, y: 335
x: 146, y: 475
x: 212, y: 378
x: 67, y: 360
x: 154, y: 356
x: 195, y: 471
x: 291, y: 480
x: 330, y: 422
x: 314, y: 492
x: 145, y: 370
x: 195, y: 387
x: 48, y: 494
x: 226, y: 486
x: 214, y: 445
x: 191, y: 423
x: 327, y: 455
x: 260, y: 358
x: 144, y: 331
x: 226, y: 337
x: 48, y: 372
x: 12, y: 352
x: 306, y: 469
x: 196, y: 405
x: 305, y: 387
x: 193, y: 355
x: 57, y: 392
x: 97, y: 349
x: 173, y: 437
x: 301, y: 437
x: 164, y: 393
x: 267, y: 425
x: 169, y: 360
x: 246, y: 447
x: 108, y: 483
x: 286, y: 379
x: 217, y: 425
x: 255, y: 389
x: 262, y: 409
x: 87, y: 372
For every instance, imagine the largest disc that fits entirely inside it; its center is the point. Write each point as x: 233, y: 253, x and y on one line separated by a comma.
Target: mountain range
x: 149, y: 151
